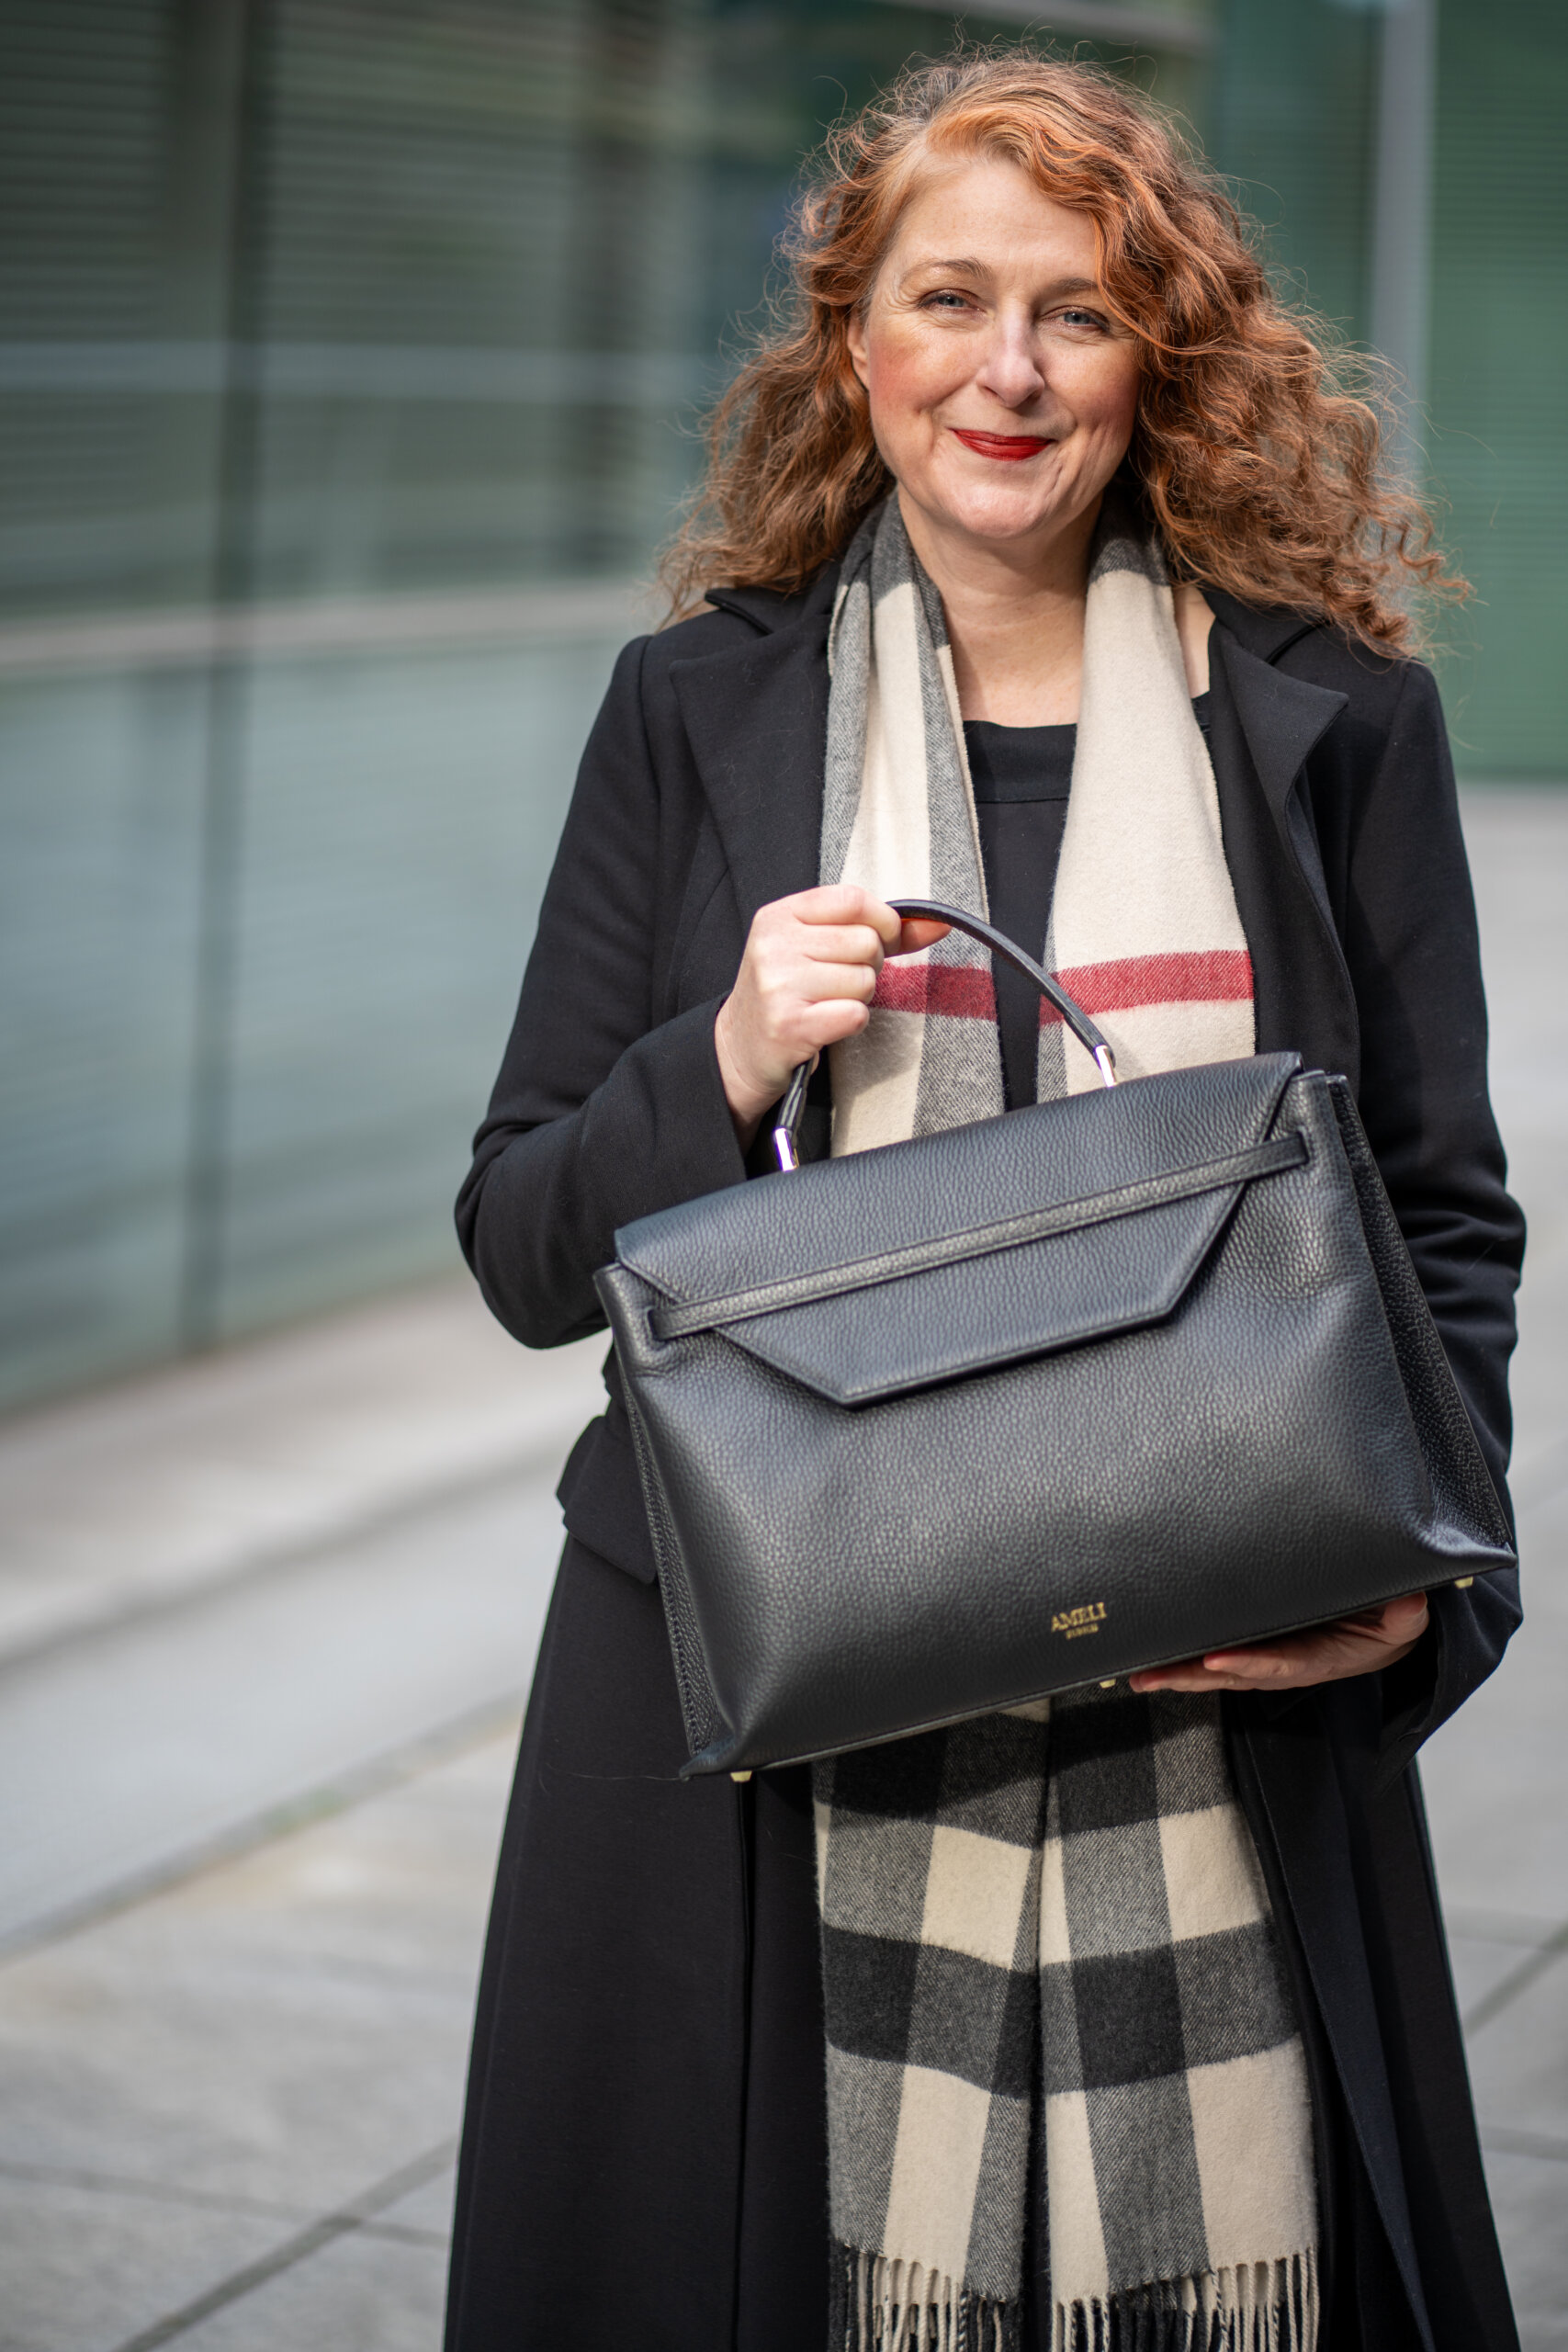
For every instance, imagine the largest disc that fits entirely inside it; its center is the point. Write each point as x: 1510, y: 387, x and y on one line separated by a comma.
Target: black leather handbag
x: 1034, y: 1402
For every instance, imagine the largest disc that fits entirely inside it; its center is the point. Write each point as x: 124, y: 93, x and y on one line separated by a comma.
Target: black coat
x: 644, y: 2149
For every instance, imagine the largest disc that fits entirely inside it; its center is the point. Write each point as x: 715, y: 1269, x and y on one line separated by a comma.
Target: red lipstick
x: 1008, y: 447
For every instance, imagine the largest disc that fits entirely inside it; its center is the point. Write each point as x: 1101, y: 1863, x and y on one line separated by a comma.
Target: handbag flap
x: 983, y: 1245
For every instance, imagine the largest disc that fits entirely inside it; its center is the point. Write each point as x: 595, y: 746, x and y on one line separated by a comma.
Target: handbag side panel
x: 1463, y: 1491
x: 624, y: 1299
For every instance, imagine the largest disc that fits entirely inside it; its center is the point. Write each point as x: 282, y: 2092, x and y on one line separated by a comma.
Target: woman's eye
x: 1080, y: 319
x: 946, y: 300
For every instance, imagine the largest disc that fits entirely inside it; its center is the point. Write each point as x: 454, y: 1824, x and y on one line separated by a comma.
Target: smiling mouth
x: 1008, y: 447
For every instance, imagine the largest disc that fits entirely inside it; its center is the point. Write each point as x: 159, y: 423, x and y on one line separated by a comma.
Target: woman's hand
x: 806, y: 981
x: 1359, y: 1645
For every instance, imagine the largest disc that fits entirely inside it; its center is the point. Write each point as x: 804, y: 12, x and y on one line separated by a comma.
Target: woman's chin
x: 999, y: 518
x: 1000, y: 512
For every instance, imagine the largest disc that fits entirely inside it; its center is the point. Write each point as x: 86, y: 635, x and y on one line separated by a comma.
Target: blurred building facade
x: 349, y: 356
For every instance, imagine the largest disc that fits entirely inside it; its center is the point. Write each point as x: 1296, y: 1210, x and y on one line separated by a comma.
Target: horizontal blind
x: 477, y: 303
x: 1498, y: 366
x: 1289, y: 120
x: 105, y: 472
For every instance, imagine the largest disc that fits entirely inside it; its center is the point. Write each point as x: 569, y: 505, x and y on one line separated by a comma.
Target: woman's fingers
x: 842, y: 942
x: 1334, y: 1653
x: 1396, y: 1621
x: 1351, y: 1645
x: 821, y: 983
x: 844, y: 902
x: 806, y: 981
x: 1192, y: 1679
x: 830, y: 1022
x: 839, y: 915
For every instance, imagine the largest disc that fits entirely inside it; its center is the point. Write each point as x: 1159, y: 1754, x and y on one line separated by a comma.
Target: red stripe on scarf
x: 1216, y: 976
x: 963, y: 990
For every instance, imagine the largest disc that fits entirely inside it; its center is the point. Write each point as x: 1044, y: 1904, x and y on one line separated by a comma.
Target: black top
x: 1021, y: 778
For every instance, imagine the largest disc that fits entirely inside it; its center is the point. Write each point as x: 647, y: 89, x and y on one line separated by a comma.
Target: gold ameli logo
x: 1072, y: 1622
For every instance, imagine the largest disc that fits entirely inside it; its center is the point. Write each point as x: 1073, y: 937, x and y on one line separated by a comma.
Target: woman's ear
x: 856, y: 345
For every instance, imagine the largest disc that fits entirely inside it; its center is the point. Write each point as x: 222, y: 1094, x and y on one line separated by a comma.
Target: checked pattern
x: 1057, y: 2015
x: 1053, y: 1993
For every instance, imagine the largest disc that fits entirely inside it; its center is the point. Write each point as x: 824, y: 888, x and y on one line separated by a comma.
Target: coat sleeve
x: 1411, y: 942
x: 599, y: 1114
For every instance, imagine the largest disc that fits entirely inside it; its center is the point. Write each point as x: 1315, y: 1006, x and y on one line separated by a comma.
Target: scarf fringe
x: 1262, y: 2307
x: 884, y: 2306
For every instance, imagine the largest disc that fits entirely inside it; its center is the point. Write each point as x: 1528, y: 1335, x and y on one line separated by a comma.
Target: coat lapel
x: 1265, y: 725
x: 756, y: 717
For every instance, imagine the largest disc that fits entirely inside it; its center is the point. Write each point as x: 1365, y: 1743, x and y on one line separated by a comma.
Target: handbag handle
x: 786, y: 1127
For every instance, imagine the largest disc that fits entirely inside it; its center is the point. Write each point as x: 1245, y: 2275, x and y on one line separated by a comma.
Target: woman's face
x: 1002, y: 392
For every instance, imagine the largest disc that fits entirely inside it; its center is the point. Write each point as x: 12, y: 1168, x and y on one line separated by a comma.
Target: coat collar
x: 1264, y: 629
x: 771, y: 609
x: 1282, y: 717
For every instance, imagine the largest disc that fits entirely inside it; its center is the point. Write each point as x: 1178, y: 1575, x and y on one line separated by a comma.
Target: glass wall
x: 351, y: 353
x: 1498, y: 365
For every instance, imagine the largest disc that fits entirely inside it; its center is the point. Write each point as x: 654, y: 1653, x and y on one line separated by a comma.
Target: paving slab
x: 1527, y: 2197
x: 427, y: 2209
x: 1518, y: 2066
x: 78, y: 2263
x: 129, y: 1749
x: 1494, y: 1777
x: 1487, y: 1962
x: 286, y: 2027
x: 191, y: 2087
x: 362, y: 2293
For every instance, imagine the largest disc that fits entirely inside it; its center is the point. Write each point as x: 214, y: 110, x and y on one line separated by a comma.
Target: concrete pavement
x: 265, y: 1576
x: 1495, y: 1777
x: 264, y: 1627
x: 229, y: 2111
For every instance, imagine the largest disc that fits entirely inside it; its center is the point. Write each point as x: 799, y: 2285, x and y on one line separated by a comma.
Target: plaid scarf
x: 1144, y: 927
x: 1059, y: 2037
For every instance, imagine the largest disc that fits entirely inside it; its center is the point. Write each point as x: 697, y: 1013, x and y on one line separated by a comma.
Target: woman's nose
x: 1011, y: 370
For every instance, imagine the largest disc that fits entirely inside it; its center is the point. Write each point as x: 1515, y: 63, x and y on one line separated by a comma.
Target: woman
x: 1036, y: 374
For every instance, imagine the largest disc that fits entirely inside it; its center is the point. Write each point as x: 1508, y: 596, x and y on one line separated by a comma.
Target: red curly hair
x: 1256, y: 443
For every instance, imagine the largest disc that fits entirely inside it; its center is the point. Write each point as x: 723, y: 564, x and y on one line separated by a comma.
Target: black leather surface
x: 993, y: 1294
x: 1192, y: 1424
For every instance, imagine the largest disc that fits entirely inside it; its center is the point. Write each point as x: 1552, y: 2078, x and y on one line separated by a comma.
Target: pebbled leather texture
x: 1016, y: 1295
x: 983, y: 1476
